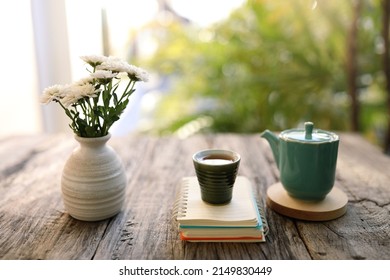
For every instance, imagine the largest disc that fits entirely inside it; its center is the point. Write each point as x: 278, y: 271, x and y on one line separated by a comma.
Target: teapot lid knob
x: 308, y: 130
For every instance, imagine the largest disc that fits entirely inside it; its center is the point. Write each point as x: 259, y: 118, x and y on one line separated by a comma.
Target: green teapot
x: 306, y: 159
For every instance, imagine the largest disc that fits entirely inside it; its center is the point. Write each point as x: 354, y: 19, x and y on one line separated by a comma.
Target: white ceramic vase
x: 93, y: 180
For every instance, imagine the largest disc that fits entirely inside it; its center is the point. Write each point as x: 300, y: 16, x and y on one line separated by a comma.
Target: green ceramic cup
x: 306, y: 160
x: 216, y: 171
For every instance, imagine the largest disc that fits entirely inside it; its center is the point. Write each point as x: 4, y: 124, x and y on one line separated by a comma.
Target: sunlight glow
x: 205, y: 12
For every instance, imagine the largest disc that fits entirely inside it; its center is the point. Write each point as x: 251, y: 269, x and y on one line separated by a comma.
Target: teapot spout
x: 273, y: 141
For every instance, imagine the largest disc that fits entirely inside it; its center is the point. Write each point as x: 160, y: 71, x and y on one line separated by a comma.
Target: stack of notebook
x: 238, y: 221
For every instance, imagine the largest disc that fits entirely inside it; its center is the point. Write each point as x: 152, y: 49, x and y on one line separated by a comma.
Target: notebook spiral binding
x: 180, y: 206
x: 263, y: 218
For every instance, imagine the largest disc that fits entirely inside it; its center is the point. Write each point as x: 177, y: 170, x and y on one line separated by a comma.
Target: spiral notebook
x: 238, y: 221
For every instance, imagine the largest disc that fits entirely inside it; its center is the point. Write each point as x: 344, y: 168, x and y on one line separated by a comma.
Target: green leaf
x: 99, y: 111
x: 130, y: 92
x: 115, y: 99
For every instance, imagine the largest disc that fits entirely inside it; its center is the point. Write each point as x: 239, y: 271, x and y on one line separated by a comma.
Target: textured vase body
x: 93, y: 180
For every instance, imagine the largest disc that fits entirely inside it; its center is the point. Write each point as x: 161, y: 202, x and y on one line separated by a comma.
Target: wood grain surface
x: 34, y: 224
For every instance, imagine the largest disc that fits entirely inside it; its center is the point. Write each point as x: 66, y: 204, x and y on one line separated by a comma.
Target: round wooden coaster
x: 333, y: 206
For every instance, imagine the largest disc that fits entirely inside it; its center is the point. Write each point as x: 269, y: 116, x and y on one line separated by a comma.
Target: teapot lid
x: 308, y: 135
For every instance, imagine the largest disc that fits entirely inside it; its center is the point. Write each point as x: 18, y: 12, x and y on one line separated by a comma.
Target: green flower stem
x: 95, y: 120
x: 126, y: 92
x: 94, y: 107
x: 73, y: 117
x: 107, y: 89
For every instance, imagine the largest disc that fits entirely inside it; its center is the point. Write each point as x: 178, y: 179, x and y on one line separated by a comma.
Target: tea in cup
x: 216, y: 171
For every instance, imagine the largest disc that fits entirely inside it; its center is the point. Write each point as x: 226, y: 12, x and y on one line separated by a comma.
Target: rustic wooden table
x: 34, y: 224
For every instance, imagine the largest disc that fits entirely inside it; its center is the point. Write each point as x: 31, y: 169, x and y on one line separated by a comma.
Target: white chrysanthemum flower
x: 116, y: 65
x: 52, y: 93
x: 113, y: 65
x: 103, y: 75
x: 76, y: 92
x: 67, y: 97
x: 86, y: 90
x: 137, y: 74
x: 86, y: 80
x: 94, y: 60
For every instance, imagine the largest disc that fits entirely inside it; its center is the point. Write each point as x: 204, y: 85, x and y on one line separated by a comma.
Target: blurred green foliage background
x: 272, y: 64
